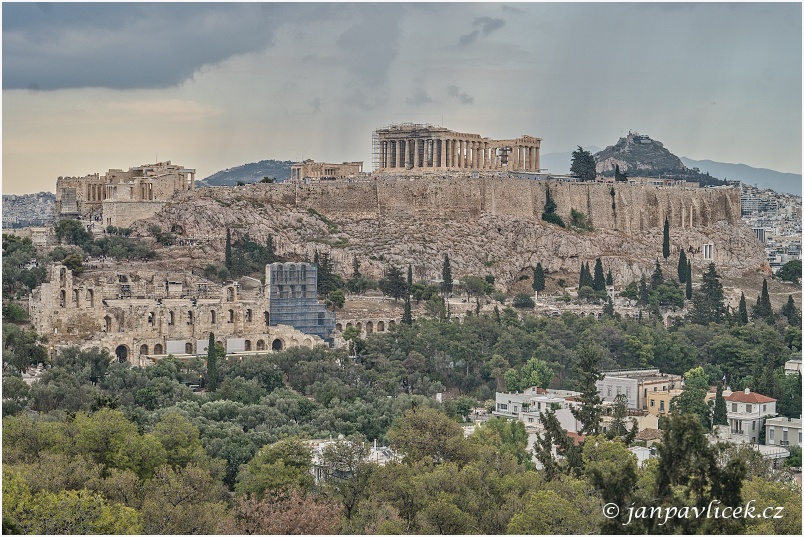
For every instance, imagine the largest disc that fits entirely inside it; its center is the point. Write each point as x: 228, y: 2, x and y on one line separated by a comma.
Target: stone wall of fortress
x: 631, y: 208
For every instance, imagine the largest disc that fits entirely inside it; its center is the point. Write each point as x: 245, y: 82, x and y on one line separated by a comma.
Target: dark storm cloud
x: 371, y: 45
x: 462, y: 96
x: 487, y: 26
x: 120, y: 46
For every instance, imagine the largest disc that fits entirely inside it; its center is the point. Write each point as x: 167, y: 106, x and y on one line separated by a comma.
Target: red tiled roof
x: 577, y: 438
x: 751, y: 397
x: 649, y: 434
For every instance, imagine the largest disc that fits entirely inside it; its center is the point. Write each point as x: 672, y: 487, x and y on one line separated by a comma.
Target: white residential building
x: 783, y: 431
x: 637, y: 385
x: 747, y: 411
x: 527, y: 405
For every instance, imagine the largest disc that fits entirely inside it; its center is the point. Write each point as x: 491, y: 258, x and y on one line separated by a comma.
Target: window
x: 661, y: 406
x: 502, y: 406
x: 749, y: 408
x: 212, y: 317
x: 753, y: 426
x: 764, y: 408
x: 771, y: 431
x: 734, y: 407
x: 652, y: 403
x: 628, y: 393
x: 248, y: 316
x: 516, y: 408
x: 608, y: 391
x: 619, y: 390
x: 784, y: 436
x: 530, y: 420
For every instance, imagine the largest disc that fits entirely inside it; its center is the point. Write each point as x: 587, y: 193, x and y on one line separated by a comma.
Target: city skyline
x: 90, y: 87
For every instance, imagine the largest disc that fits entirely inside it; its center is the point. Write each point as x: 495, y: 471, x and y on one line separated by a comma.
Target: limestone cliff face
x: 486, y: 225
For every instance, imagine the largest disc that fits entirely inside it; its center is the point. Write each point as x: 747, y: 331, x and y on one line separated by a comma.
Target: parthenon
x: 421, y: 147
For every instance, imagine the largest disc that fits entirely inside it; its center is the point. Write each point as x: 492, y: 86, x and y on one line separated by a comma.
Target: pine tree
x: 554, y: 435
x: 599, y: 281
x: 719, y: 417
x: 583, y: 165
x: 538, y: 278
x: 609, y: 278
x: 790, y: 311
x: 682, y: 266
x: 212, y: 364
x: 228, y: 252
x: 589, y: 412
x: 666, y: 239
x: 446, y: 276
x: 707, y: 304
x: 393, y: 284
x: 355, y: 268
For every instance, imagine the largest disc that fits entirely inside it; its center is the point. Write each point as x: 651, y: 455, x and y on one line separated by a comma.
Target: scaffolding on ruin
x: 294, y: 300
x: 377, y: 150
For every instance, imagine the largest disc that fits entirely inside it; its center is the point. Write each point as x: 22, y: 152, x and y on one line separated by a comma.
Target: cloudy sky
x: 93, y: 86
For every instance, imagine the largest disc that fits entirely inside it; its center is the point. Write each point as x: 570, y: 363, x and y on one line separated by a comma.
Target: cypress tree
x: 742, y: 315
x: 355, y: 268
x: 608, y: 308
x: 790, y: 311
x: 407, y: 316
x: 270, y: 250
x: 688, y: 288
x: 538, y: 278
x: 644, y: 292
x: 585, y: 279
x: 212, y: 364
x: 590, y: 411
x: 682, y: 266
x: 763, y: 309
x: 666, y: 239
x: 410, y: 278
x: 609, y: 279
x: 657, y: 278
x: 446, y: 276
x: 599, y: 281
x: 227, y: 260
x: 719, y: 415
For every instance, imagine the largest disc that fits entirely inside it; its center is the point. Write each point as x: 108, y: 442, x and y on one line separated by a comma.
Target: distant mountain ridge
x: 252, y: 172
x: 763, y: 178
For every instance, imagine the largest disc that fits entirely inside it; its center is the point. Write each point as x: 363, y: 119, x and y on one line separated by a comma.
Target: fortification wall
x: 621, y: 207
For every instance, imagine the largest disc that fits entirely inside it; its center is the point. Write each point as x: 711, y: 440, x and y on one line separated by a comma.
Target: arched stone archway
x: 122, y: 353
x: 391, y: 323
x: 308, y: 342
x: 188, y: 348
x: 359, y: 326
x: 369, y: 327
x: 339, y: 327
x: 107, y: 324
x: 90, y: 298
x: 277, y: 345
x: 247, y: 345
x: 380, y: 326
x: 62, y: 298
x: 158, y: 349
x: 348, y: 325
x: 143, y: 350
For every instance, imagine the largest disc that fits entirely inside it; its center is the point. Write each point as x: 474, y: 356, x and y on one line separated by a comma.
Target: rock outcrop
x: 486, y: 225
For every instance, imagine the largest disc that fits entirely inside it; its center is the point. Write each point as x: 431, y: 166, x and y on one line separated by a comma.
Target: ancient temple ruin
x: 417, y: 148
